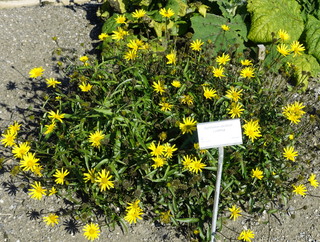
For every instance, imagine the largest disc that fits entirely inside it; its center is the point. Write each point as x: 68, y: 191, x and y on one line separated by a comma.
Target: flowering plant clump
x: 123, y: 135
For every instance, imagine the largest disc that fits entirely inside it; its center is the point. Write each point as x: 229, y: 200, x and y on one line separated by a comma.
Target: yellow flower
x: 52, y: 191
x: 313, y: 181
x: 138, y: 13
x: 84, y: 87
x: 156, y: 151
x: 158, y: 162
x: 188, y: 125
x: 118, y: 35
x: 50, y: 128
x: 95, y: 138
x: 104, y: 180
x: 120, y: 19
x: 91, y: 231
x: 235, y: 212
x: 196, y: 146
x: 133, y: 45
x: 9, y: 138
x: 159, y: 87
x: 293, y: 112
x: 52, y: 82
x: 246, y: 63
x: 246, y: 236
x: 171, y: 58
x: 196, y: 166
x: 252, y: 129
x: 301, y: 189
x: 225, y: 27
x: 195, y: 45
x: 60, y: 175
x: 35, y: 72
x: 90, y: 175
x: 54, y: 116
x: 165, y: 217
x: 165, y: 106
x: 29, y: 162
x: 283, y: 35
x: 21, y: 150
x: 247, y: 72
x: 133, y: 214
x: 130, y: 55
x: 289, y: 153
x: 168, y: 150
x: 51, y: 219
x: 257, y: 173
x: 15, y: 127
x: 162, y: 136
x: 186, y: 162
x: 176, y: 84
x: 218, y: 72
x: 283, y: 49
x: 187, y: 100
x: 209, y: 93
x: 296, y: 48
x: 37, y: 192
x: 222, y: 60
x: 233, y: 94
x: 166, y: 13
x: 236, y: 110
x: 133, y: 206
x: 37, y: 170
x: 291, y: 136
x: 103, y: 36
x: 83, y: 58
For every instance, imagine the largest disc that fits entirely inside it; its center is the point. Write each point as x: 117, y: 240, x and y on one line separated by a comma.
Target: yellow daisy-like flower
x: 246, y: 235
x: 283, y: 49
x: 118, y: 35
x: 283, y: 35
x: 35, y: 72
x: 168, y: 150
x: 195, y: 45
x: 187, y: 100
x: 95, y: 138
x: 197, y: 147
x: 130, y: 55
x: 84, y: 87
x: 159, y: 87
x: 289, y: 153
x: 246, y: 63
x: 21, y: 150
x: 252, y: 129
x: 133, y: 45
x: 176, y: 84
x: 83, y: 58
x: 196, y: 166
x: 37, y: 170
x: 166, y: 13
x: 51, y: 219
x: 188, y: 125
x: 313, y: 181
x: 236, y: 110
x: 29, y: 162
x: 156, y: 151
x: 234, y: 94
x: 104, y: 180
x: 209, y: 93
x: 171, y: 58
x: 52, y: 82
x: 165, y: 217
x: 257, y: 173
x: 133, y: 215
x: 218, y: 72
x: 57, y: 116
x: 291, y: 136
x: 296, y: 48
x: 52, y: 191
x: 91, y: 231
x: 301, y: 189
x: 60, y: 175
x: 162, y: 136
x: 90, y: 176
x: 247, y: 72
x: 37, y: 192
x: 165, y: 106
x: 235, y: 212
x: 121, y: 19
x: 9, y: 138
x: 138, y: 13
x: 103, y: 36
x: 186, y: 162
x: 133, y: 206
x: 225, y: 27
x: 158, y: 162
x: 222, y: 60
x: 50, y: 128
x: 294, y: 112
x: 15, y: 127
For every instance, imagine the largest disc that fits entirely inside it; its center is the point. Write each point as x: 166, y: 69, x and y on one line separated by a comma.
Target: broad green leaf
x: 269, y: 16
x: 313, y: 37
x: 104, y: 111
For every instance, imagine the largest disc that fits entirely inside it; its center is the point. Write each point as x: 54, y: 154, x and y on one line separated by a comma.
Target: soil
x: 26, y: 42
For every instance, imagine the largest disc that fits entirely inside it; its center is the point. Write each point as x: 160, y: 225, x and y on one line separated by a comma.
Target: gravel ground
x: 26, y: 42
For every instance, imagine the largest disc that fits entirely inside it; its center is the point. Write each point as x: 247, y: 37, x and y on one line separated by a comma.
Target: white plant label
x: 219, y: 133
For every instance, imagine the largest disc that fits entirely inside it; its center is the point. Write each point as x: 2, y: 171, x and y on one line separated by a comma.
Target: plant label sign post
x: 217, y: 135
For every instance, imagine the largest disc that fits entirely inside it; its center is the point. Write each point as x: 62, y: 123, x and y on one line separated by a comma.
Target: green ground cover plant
x: 122, y: 135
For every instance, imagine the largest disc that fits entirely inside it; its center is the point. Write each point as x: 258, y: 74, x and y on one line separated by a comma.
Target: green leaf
x: 313, y: 37
x: 269, y: 16
x: 104, y: 111
x: 188, y: 220
x: 272, y: 211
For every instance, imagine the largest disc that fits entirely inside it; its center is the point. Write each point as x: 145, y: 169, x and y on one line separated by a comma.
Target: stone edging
x: 25, y: 3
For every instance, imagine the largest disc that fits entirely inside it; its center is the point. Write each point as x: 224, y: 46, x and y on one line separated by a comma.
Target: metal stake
x: 216, y: 195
